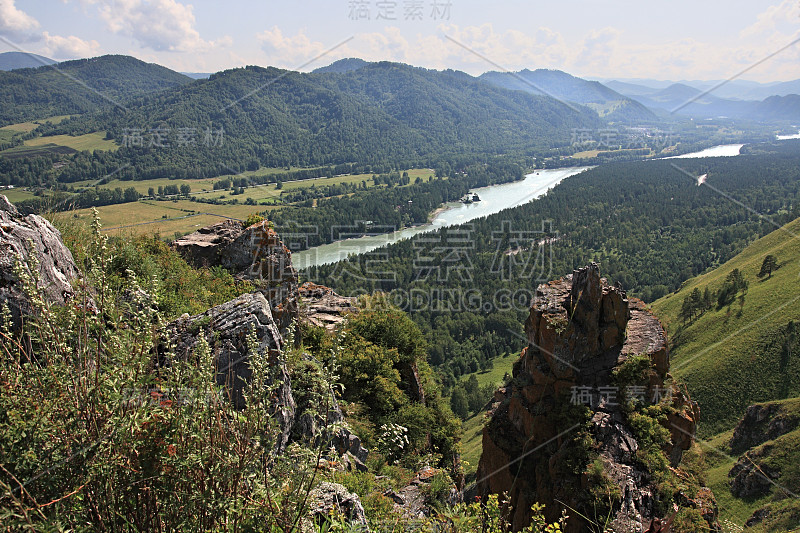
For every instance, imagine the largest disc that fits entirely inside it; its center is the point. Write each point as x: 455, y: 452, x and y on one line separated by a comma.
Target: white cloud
x: 71, y: 47
x: 777, y: 18
x: 161, y: 25
x: 15, y: 24
x: 288, y: 51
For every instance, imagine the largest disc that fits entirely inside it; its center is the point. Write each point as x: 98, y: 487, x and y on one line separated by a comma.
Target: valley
x: 263, y: 299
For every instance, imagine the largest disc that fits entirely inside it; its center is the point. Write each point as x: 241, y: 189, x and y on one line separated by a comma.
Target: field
x: 182, y: 216
x: 205, y: 184
x: 17, y: 195
x: 165, y: 218
x: 90, y: 141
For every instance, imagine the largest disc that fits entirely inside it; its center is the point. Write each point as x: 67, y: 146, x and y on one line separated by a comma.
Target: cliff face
x: 535, y: 448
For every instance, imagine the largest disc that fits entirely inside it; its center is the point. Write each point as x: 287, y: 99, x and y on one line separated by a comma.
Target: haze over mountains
x: 108, y: 79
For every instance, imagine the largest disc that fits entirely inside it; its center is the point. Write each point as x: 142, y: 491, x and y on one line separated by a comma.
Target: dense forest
x: 79, y: 86
x: 648, y: 224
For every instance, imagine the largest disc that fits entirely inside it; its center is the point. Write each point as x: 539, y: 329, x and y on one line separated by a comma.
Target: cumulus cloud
x: 15, y: 24
x: 778, y: 18
x: 161, y: 25
x: 288, y: 51
x: 71, y: 47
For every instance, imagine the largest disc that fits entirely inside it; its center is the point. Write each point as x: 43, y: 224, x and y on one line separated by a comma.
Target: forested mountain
x: 342, y: 65
x: 647, y: 223
x: 608, y: 103
x: 79, y: 86
x: 245, y: 118
x: 15, y: 60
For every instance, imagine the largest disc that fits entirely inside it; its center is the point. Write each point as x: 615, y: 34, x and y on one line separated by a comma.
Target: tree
x: 186, y: 189
x: 151, y: 192
x: 769, y: 265
x: 459, y: 403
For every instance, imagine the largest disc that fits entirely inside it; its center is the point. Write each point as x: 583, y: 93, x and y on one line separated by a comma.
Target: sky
x: 675, y: 40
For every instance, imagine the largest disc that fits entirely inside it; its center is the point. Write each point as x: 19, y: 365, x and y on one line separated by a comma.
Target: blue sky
x: 707, y: 39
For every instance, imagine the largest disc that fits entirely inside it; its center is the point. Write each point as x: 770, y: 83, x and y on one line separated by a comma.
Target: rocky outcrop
x: 763, y: 422
x: 226, y: 327
x: 202, y: 248
x: 21, y: 235
x: 320, y: 306
x: 253, y: 253
x: 332, y: 498
x: 580, y: 330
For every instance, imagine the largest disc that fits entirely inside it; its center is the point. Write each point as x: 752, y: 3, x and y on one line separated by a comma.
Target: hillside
x: 15, y: 60
x: 79, y: 86
x: 608, y: 103
x: 738, y: 355
x: 273, y: 118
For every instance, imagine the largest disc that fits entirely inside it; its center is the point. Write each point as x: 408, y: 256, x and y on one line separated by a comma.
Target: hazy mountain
x: 343, y: 65
x: 80, y: 86
x: 608, y: 103
x: 15, y: 60
x: 197, y: 75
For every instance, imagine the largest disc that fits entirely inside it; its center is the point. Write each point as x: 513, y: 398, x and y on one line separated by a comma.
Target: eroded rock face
x: 253, y: 253
x: 57, y: 268
x: 320, y: 306
x: 762, y: 422
x: 226, y: 328
x: 580, y: 330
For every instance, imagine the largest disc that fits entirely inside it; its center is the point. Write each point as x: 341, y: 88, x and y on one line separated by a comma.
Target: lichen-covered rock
x: 253, y: 253
x: 580, y: 330
x: 19, y: 235
x: 329, y: 497
x: 320, y: 306
x: 226, y: 328
x: 202, y: 247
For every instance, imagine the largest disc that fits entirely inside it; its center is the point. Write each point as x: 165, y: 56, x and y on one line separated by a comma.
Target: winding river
x: 493, y: 200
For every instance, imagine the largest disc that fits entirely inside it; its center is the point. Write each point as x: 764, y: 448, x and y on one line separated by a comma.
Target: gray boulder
x: 226, y: 328
x: 19, y: 235
x: 329, y: 497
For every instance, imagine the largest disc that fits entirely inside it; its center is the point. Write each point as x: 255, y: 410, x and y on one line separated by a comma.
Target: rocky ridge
x: 580, y: 331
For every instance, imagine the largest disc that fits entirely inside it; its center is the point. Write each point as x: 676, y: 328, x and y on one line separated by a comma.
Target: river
x: 493, y: 200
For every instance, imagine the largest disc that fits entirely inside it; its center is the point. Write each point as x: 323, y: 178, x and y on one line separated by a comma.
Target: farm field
x: 165, y: 218
x: 90, y: 141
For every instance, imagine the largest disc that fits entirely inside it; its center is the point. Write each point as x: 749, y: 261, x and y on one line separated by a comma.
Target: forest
x: 648, y: 224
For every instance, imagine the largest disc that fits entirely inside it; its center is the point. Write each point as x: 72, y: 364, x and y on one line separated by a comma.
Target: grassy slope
x: 731, y: 358
x: 471, y: 443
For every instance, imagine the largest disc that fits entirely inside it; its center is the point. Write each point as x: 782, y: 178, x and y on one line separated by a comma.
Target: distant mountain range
x: 15, y: 60
x: 728, y: 89
x: 684, y: 99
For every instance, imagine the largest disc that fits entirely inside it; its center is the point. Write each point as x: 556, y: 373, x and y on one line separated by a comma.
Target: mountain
x: 740, y: 362
x: 197, y: 75
x: 608, y: 103
x: 342, y: 65
x: 380, y: 112
x: 780, y: 108
x: 16, y: 60
x: 80, y: 86
x: 685, y: 99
